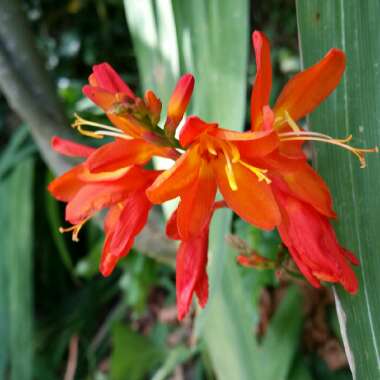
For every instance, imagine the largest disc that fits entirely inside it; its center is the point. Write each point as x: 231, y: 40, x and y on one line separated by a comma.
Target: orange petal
x: 263, y: 82
x: 191, y: 275
x: 128, y: 124
x: 197, y: 203
x: 122, y: 153
x: 110, y: 176
x: 70, y: 148
x: 109, y: 261
x: 179, y: 101
x: 253, y: 201
x: 171, y: 227
x: 65, y: 187
x: 313, y: 245
x: 108, y: 79
x: 251, y: 144
x: 303, y: 182
x: 154, y: 105
x: 132, y: 220
x: 306, y: 90
x: 95, y: 196
x: 175, y: 180
x: 102, y: 98
x: 193, y: 128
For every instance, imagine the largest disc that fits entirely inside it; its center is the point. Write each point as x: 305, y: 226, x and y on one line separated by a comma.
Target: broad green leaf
x: 16, y: 215
x: 353, y: 109
x: 134, y: 356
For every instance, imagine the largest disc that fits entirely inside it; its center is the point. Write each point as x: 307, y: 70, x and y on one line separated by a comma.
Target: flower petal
x: 95, y: 196
x: 132, y: 220
x: 302, y: 181
x: 102, y: 98
x: 197, y: 203
x: 122, y: 153
x: 128, y: 124
x: 108, y: 79
x: 191, y: 272
x: 109, y: 261
x: 306, y: 90
x: 251, y: 144
x: 179, y: 101
x: 66, y: 186
x: 193, y: 128
x: 172, y: 182
x: 70, y: 148
x: 154, y: 106
x: 253, y: 201
x: 263, y: 82
x: 312, y: 243
x: 171, y: 227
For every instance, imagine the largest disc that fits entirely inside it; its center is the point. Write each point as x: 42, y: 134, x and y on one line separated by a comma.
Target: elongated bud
x: 256, y: 261
x: 153, y: 105
x: 178, y: 103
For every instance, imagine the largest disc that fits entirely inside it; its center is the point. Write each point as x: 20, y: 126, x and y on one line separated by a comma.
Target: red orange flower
x: 263, y: 175
x: 218, y: 158
x: 303, y: 197
x: 132, y: 115
x: 121, y: 190
x: 191, y: 262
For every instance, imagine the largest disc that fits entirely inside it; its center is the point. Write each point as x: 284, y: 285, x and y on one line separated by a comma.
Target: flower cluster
x: 263, y: 174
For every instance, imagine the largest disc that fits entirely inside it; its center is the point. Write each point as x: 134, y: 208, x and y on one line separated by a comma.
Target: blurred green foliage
x: 50, y: 290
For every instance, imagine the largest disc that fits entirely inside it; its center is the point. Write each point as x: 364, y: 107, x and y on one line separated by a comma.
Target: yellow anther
x: 299, y: 135
x: 104, y: 130
x: 210, y: 148
x: 260, y: 173
x: 74, y: 229
x: 231, y: 176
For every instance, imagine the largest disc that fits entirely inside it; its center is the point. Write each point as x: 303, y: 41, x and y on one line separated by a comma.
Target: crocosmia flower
x: 263, y: 175
x: 302, y: 196
x: 218, y: 158
x: 113, y: 176
x: 122, y: 191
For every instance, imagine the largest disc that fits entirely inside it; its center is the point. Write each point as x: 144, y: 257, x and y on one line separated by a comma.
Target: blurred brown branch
x: 31, y: 94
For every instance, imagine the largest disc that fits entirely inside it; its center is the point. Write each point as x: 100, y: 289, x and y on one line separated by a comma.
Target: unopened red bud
x: 153, y: 105
x: 179, y: 102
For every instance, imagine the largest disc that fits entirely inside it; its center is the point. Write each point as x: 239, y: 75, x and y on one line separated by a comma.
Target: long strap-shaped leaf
x: 16, y: 317
x: 354, y: 108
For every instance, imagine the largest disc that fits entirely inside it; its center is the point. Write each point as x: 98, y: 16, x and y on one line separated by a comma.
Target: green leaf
x: 16, y: 216
x: 175, y: 357
x: 300, y: 372
x: 134, y: 356
x: 353, y: 109
x: 281, y: 340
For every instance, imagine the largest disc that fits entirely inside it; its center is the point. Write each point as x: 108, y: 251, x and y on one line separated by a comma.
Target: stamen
x: 106, y: 130
x: 228, y: 168
x: 358, y: 152
x: 299, y: 135
x: 80, y: 121
x: 291, y: 122
x: 260, y: 173
x: 75, y: 230
x: 211, y: 148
